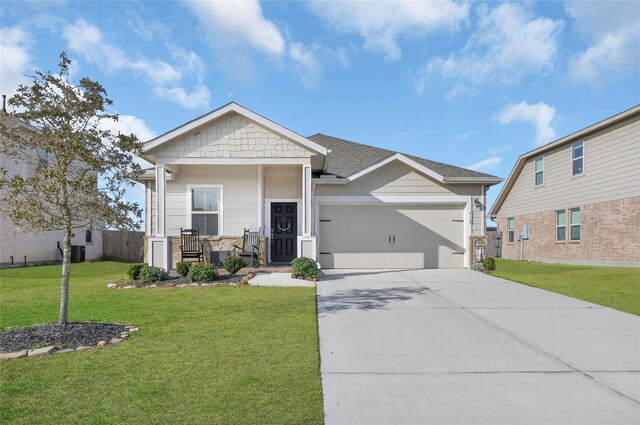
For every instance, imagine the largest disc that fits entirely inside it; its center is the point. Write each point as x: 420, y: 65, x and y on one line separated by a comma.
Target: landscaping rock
x: 111, y: 285
x: 182, y: 285
x: 152, y: 286
x: 40, y: 351
x: 14, y: 355
x: 82, y: 347
x: 115, y: 340
x: 134, y: 330
x: 101, y: 343
x: 66, y: 350
x: 193, y: 284
x: 128, y: 287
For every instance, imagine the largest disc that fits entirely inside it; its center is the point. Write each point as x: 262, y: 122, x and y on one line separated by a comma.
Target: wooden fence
x: 122, y: 246
x: 494, y: 243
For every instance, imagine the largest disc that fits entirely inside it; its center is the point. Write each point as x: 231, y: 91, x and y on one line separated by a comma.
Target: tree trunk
x: 66, y: 270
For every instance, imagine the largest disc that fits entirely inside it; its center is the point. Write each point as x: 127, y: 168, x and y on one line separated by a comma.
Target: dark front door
x: 284, y: 219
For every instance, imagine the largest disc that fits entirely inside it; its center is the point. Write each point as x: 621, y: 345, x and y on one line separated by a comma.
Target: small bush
x: 202, y: 272
x: 305, y: 267
x: 133, y: 270
x: 150, y: 274
x: 183, y: 267
x: 489, y: 264
x: 233, y: 264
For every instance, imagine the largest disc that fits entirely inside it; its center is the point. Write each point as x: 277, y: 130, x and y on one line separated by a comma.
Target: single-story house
x: 344, y: 204
x: 578, y: 196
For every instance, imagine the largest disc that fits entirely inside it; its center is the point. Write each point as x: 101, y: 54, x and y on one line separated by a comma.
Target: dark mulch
x: 223, y: 279
x: 73, y: 335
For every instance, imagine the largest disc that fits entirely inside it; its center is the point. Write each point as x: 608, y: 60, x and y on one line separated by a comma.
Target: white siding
x: 284, y: 182
x: 612, y: 171
x: 240, y: 196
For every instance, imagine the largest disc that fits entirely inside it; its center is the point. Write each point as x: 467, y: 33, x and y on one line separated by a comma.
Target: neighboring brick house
x: 579, y: 196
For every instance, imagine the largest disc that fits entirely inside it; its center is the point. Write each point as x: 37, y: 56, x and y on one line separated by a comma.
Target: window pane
x: 575, y: 233
x: 577, y: 166
x: 205, y: 199
x: 539, y: 178
x: 577, y: 150
x: 575, y: 216
x: 539, y: 164
x: 561, y: 233
x: 561, y: 218
x: 511, y: 235
x: 511, y: 224
x: 207, y: 224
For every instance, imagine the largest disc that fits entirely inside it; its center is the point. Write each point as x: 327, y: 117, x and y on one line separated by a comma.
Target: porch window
x: 205, y: 210
x: 511, y: 229
x: 561, y: 225
x: 577, y: 159
x: 539, y: 172
x: 575, y: 224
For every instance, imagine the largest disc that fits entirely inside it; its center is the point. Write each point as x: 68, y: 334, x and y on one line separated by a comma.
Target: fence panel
x: 122, y: 246
x: 494, y: 243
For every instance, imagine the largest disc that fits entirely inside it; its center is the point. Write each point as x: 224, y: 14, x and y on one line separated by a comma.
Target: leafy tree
x: 88, y: 169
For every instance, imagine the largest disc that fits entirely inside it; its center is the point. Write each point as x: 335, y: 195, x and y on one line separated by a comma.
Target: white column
x: 161, y: 184
x: 306, y: 200
x: 260, y: 198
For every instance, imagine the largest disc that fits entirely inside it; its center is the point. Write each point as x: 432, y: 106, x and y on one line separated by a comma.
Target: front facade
x: 344, y: 204
x: 578, y: 197
x: 19, y: 247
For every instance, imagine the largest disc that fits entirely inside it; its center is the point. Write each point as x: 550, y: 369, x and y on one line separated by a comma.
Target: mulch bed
x: 174, y: 280
x: 73, y: 335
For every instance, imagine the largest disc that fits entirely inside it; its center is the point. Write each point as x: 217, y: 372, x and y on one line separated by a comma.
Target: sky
x: 474, y: 84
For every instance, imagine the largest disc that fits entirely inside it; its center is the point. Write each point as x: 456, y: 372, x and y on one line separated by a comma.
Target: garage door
x: 391, y: 236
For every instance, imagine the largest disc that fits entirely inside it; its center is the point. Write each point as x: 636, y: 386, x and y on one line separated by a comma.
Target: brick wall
x: 610, y: 231
x: 233, y: 137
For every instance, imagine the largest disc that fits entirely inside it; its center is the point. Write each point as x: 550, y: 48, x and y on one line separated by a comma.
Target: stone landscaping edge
x: 244, y: 281
x: 45, y: 351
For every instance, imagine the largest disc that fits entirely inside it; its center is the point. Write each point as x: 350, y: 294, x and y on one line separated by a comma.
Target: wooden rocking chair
x: 190, y: 246
x: 250, y: 247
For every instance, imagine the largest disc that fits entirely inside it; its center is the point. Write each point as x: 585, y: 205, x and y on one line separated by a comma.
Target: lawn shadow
x: 349, y: 274
x: 366, y: 299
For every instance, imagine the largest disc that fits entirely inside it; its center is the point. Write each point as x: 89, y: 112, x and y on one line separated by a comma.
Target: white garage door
x: 391, y: 236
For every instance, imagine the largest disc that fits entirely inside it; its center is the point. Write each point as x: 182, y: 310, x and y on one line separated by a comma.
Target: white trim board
x: 392, y: 199
x: 398, y: 157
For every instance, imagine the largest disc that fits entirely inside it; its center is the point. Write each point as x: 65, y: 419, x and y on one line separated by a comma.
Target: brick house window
x: 511, y: 229
x: 561, y: 226
x: 539, y: 171
x: 577, y: 159
x: 574, y: 216
x: 205, y: 210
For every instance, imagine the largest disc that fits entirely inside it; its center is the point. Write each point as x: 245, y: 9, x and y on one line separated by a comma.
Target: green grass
x: 615, y: 287
x: 203, y: 355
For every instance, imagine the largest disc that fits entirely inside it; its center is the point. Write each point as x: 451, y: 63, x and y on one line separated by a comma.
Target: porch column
x: 161, y: 184
x: 306, y: 200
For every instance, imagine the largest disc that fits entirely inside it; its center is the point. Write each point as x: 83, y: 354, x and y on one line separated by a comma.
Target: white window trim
x: 569, y: 238
x: 535, y: 173
x: 220, y: 206
x: 509, y: 230
x: 558, y: 226
x: 573, y: 159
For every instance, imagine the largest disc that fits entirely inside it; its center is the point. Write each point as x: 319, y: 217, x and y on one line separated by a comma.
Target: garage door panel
x: 384, y: 236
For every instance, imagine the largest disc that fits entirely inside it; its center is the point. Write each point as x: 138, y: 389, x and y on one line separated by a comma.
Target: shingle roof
x: 348, y: 158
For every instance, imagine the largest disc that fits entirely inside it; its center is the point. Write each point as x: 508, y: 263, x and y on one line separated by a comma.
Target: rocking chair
x: 190, y: 246
x: 250, y: 247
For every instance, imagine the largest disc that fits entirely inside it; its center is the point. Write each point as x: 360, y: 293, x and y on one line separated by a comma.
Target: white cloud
x: 15, y: 60
x: 233, y: 22
x: 508, y: 43
x: 128, y: 124
x: 306, y: 64
x: 540, y: 115
x: 87, y: 40
x: 614, y: 29
x: 486, y: 164
x: 380, y: 24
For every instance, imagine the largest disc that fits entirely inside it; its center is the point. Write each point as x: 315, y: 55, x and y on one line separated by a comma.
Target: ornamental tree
x: 73, y: 172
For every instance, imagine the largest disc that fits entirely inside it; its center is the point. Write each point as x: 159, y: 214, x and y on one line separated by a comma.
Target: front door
x: 284, y: 232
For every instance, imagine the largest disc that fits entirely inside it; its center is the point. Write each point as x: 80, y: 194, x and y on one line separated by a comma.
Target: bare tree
x: 82, y: 170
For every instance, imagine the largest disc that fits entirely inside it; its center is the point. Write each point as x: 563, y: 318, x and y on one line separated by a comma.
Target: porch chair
x: 250, y: 247
x: 190, y: 246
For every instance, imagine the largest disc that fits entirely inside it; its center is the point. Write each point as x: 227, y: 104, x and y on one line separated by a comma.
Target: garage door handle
x: 458, y: 253
x: 389, y: 239
x: 394, y: 239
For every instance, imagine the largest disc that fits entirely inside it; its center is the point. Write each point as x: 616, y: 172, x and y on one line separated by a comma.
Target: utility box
x: 77, y: 253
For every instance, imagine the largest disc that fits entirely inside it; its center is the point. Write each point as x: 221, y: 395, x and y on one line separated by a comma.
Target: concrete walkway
x: 461, y: 347
x: 278, y: 279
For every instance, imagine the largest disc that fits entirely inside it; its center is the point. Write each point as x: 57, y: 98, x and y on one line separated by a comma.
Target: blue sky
x: 473, y: 84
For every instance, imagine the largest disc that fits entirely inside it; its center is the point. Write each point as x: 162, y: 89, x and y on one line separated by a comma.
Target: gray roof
x: 348, y: 158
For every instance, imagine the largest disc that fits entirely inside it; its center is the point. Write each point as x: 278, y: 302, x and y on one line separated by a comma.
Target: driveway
x: 461, y: 347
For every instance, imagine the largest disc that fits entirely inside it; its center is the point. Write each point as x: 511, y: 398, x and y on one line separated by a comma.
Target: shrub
x: 202, y: 272
x: 305, y: 267
x: 183, y: 267
x: 233, y: 264
x: 489, y: 264
x: 150, y: 274
x: 133, y: 270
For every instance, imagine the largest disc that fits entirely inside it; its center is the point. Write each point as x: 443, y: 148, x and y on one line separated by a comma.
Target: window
x: 511, y: 229
x: 539, y: 172
x: 88, y: 236
x: 577, y: 159
x: 575, y: 224
x: 561, y: 226
x: 43, y: 157
x: 205, y: 210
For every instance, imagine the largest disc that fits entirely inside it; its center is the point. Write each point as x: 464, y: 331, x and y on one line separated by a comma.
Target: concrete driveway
x: 461, y: 347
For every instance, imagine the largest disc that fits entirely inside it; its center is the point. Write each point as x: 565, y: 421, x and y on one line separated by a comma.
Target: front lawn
x: 203, y: 355
x: 615, y: 287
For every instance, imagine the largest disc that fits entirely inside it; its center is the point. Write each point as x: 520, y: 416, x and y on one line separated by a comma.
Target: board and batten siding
x: 611, y: 172
x: 398, y: 179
